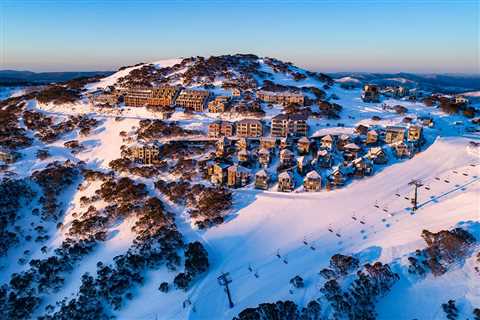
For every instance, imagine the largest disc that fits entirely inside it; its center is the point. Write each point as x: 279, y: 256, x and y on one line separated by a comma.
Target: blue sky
x: 383, y: 36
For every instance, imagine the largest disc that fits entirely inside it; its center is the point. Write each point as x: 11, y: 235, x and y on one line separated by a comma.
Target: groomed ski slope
x: 271, y: 223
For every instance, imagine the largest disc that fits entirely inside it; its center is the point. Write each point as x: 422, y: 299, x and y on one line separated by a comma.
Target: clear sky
x: 382, y: 36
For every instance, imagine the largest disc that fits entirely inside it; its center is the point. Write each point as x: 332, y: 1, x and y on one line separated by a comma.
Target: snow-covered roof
x: 261, y: 173
x: 352, y: 146
x: 239, y: 169
x: 322, y: 153
x: 327, y: 138
x: 313, y: 175
x: 285, y: 175
x: 304, y: 140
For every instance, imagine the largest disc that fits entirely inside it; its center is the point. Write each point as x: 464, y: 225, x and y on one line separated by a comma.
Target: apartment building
x: 289, y: 125
x: 249, y: 128
x: 163, y: 96
x: 194, y: 100
x: 221, y: 128
x: 282, y: 98
x: 137, y: 97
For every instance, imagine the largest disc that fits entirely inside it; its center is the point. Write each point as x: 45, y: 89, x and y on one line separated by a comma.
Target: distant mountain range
x: 447, y: 83
x: 24, y: 78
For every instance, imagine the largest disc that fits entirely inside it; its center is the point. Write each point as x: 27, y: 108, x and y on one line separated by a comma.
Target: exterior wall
x: 192, y: 99
x: 312, y: 185
x: 137, y: 97
x: 394, y: 135
x: 145, y: 154
x: 281, y: 98
x: 249, y: 128
x: 283, y: 126
x: 261, y: 182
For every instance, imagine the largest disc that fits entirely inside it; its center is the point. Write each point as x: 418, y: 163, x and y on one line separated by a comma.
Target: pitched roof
x: 313, y: 175
x: 352, y: 146
x: 261, y: 173
x: 327, y: 138
x: 285, y: 175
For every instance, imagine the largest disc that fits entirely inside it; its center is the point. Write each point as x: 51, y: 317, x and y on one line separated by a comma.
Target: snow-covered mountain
x: 88, y: 234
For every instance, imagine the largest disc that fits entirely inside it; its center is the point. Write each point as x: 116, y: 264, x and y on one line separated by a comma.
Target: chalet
x: 146, y: 154
x: 302, y: 164
x: 414, y: 134
x: 343, y: 140
x: 7, y: 156
x: 285, y: 143
x: 222, y: 146
x: 402, y: 150
x: 324, y: 159
x: 264, y: 156
x: 327, y: 142
x: 237, y: 176
x: 303, y: 145
x: 370, y: 93
x: 243, y: 155
x: 394, y: 134
x: 338, y: 177
x: 312, y: 182
x: 426, y: 121
x: 268, y: 142
x: 242, y: 144
x: 286, y: 158
x: 236, y: 92
x: 220, y: 128
x: 372, y: 137
x: 377, y: 155
x: 352, y: 148
x: 361, y: 130
x: 289, y: 125
x: 219, y: 173
x: 400, y: 91
x: 461, y: 100
x: 163, y: 96
x: 194, y: 100
x: 219, y: 104
x: 362, y: 167
x: 249, y: 128
x: 282, y: 98
x: 137, y: 97
x: 261, y: 180
x: 285, y: 182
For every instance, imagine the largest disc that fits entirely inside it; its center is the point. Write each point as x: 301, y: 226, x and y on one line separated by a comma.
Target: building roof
x: 352, y: 146
x: 263, y: 151
x: 237, y: 168
x: 327, y: 138
x: 396, y: 128
x: 313, y: 175
x: 286, y: 152
x: 322, y: 153
x: 375, y: 151
x: 285, y: 175
x: 304, y: 140
x: 250, y: 121
x: 261, y: 173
